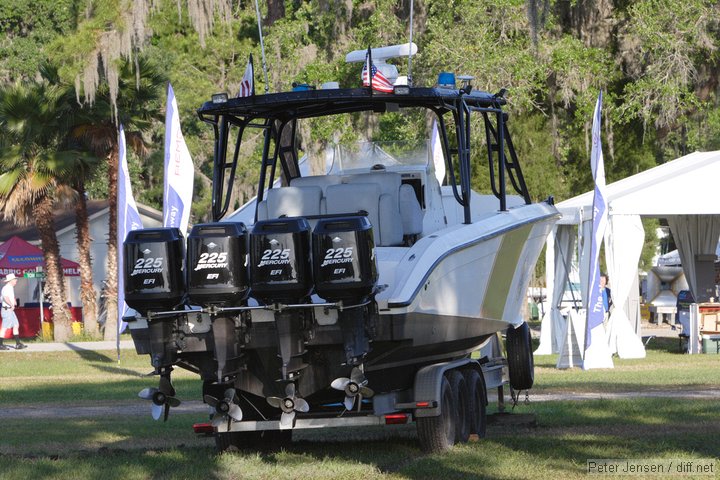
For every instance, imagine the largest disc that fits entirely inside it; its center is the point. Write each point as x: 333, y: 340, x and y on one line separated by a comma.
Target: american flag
x: 246, y: 84
x: 379, y: 82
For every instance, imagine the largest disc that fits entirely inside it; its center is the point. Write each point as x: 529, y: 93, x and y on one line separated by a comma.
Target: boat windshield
x: 366, y: 155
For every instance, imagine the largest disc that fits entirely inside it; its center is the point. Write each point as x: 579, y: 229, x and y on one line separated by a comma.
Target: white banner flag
x: 437, y: 153
x: 597, y: 354
x: 128, y: 220
x: 179, y: 172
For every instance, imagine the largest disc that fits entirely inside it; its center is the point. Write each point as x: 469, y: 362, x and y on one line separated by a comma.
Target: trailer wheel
x: 276, y: 440
x: 238, y: 440
x: 477, y: 394
x: 520, y: 357
x: 437, y: 434
x: 462, y: 405
x: 223, y: 441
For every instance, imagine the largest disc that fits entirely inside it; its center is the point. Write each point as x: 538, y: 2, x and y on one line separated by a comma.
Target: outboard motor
x: 217, y: 276
x: 154, y: 280
x: 345, y: 269
x: 280, y: 272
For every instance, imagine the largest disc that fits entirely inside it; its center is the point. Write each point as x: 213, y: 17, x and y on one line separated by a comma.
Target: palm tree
x: 31, y: 165
x: 83, y: 169
x: 141, y: 87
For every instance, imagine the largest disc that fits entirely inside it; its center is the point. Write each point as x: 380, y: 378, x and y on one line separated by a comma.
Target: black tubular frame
x: 274, y: 113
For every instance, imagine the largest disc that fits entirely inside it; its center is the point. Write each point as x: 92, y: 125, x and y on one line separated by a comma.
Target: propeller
x: 353, y: 387
x: 162, y: 398
x: 289, y: 405
x: 225, y: 409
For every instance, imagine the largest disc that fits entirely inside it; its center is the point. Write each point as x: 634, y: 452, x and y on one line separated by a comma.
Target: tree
x: 82, y: 169
x: 672, y: 40
x: 112, y: 33
x: 28, y: 26
x: 30, y: 132
x: 140, y: 89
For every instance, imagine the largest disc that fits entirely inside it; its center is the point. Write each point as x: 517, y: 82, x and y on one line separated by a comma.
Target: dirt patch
x: 625, y: 431
x: 139, y: 408
x: 142, y: 408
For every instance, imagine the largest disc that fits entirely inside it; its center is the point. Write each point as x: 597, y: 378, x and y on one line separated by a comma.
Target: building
x: 65, y: 227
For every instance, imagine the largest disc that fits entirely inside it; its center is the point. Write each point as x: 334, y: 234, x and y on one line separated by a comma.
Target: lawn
x: 568, y: 433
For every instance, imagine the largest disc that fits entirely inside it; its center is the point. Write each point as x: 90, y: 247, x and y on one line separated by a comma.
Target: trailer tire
x: 437, y: 434
x: 520, y: 357
x: 477, y: 393
x: 462, y: 402
x: 238, y: 440
x: 276, y: 440
x: 222, y: 441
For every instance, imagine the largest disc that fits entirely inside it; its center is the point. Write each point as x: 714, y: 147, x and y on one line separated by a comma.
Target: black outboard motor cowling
x: 153, y: 273
x: 280, y: 260
x: 344, y: 264
x: 216, y: 264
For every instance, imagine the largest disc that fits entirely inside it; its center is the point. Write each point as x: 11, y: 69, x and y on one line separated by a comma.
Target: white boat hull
x: 480, y: 270
x: 454, y: 289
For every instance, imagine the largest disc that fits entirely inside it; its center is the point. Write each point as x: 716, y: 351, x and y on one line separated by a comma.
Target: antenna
x: 262, y: 48
x: 409, y: 75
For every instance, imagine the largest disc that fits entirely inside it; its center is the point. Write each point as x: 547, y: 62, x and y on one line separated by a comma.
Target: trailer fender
x: 428, y: 381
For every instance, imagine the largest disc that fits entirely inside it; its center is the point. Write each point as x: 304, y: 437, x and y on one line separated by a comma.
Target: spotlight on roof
x: 219, y: 97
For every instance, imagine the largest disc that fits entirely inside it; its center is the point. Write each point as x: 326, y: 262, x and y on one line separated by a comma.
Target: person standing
x: 9, y: 319
x: 606, y: 295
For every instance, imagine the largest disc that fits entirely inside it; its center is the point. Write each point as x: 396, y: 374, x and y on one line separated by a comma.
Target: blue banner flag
x: 597, y: 353
x: 179, y: 171
x: 128, y: 220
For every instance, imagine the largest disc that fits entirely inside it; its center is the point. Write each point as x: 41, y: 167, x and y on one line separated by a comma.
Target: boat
x: 358, y: 294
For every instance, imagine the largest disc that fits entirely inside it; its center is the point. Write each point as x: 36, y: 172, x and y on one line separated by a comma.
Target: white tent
x: 673, y: 258
x: 685, y: 192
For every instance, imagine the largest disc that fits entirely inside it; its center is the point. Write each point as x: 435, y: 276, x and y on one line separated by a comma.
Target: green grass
x: 567, y: 433
x: 663, y: 368
x: 82, y: 376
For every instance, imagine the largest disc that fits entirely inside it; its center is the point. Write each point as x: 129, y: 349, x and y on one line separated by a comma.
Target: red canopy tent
x: 18, y: 256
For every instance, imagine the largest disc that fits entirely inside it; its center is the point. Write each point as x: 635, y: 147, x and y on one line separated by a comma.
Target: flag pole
x: 121, y: 207
x: 368, y: 66
x: 409, y: 75
x: 262, y: 49
x: 252, y: 67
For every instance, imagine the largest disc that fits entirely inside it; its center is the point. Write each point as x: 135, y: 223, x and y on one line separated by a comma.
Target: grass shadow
x: 90, y: 355
x: 94, y: 358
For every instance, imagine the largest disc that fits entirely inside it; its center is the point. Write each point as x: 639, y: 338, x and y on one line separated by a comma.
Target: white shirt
x: 8, y: 292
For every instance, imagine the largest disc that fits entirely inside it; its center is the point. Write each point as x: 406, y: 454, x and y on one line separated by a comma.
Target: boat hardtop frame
x: 277, y: 115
